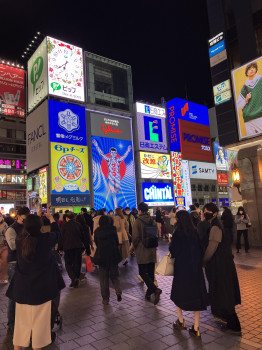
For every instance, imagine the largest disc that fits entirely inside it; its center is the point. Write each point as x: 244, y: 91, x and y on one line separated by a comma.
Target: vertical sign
x: 178, y: 181
x: 43, y: 185
x: 187, y: 183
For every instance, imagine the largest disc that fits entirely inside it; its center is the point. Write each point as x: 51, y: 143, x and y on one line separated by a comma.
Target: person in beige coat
x: 122, y: 227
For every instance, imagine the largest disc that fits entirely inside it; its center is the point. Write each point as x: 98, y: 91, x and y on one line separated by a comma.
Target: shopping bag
x: 83, y: 266
x: 166, y: 266
x: 89, y: 265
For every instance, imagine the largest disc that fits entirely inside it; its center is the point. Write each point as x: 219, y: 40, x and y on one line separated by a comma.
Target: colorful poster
x: 187, y: 183
x: 69, y: 174
x: 155, y: 166
x: 65, y: 70
x: 222, y: 179
x: 220, y: 157
x: 178, y: 181
x: 232, y: 162
x: 113, y: 173
x: 12, y: 91
x: 43, y: 185
x: 157, y: 194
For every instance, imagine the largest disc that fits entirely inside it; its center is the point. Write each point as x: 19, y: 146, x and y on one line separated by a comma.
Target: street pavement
x: 135, y: 323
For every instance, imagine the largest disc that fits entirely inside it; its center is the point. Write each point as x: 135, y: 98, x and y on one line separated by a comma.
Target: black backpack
x: 149, y: 235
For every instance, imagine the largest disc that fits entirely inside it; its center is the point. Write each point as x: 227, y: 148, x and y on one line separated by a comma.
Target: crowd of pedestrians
x: 200, y: 243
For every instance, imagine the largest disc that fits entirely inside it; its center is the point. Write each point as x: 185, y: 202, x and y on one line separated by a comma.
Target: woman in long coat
x: 122, y: 227
x: 188, y: 289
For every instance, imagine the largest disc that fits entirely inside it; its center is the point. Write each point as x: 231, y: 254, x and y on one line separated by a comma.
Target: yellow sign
x: 155, y: 166
x: 43, y: 185
x: 69, y: 173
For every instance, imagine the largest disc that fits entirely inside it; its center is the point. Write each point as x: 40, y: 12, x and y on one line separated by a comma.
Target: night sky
x: 165, y: 41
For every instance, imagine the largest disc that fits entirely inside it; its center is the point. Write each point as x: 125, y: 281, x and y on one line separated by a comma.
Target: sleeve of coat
x: 136, y: 233
x: 10, y: 236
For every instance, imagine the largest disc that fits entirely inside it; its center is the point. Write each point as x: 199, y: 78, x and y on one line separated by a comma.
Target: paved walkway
x: 137, y: 324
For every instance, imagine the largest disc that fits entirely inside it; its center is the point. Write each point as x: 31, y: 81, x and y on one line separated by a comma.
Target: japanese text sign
x: 155, y: 166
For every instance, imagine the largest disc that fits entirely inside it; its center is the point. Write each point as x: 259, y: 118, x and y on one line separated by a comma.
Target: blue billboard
x: 113, y: 173
x: 215, y: 49
x: 157, y: 194
x: 67, y: 123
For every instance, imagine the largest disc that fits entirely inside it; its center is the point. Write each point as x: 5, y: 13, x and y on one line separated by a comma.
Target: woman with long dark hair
x: 227, y: 219
x: 37, y: 281
x: 242, y: 220
x: 188, y: 288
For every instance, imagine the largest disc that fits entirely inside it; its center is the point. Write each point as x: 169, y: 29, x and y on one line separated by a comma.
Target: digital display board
x: 65, y: 70
x: 201, y: 170
x: 69, y: 174
x: 247, y: 87
x: 222, y: 92
x: 220, y: 157
x: 155, y: 166
x: 157, y: 194
x: 222, y: 179
x: 12, y: 91
x: 151, y: 127
x: 195, y: 141
x: 68, y: 123
x: 43, y: 185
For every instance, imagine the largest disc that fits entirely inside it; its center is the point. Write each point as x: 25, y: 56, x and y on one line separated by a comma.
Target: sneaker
x: 179, y: 325
x: 157, y: 296
x: 105, y: 302
x: 140, y: 278
x: 119, y: 297
x: 193, y: 332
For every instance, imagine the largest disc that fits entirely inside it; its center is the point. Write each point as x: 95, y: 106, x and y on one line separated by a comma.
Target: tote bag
x: 166, y: 266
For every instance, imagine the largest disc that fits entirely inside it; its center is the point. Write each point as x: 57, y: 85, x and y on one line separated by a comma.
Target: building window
x: 206, y: 188
x: 213, y: 188
x: 193, y: 187
x: 3, y: 132
x: 20, y: 135
x: 201, y: 201
x: 194, y: 200
x: 200, y: 188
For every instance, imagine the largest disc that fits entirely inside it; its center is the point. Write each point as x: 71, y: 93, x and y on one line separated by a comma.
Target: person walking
x: 3, y: 251
x: 145, y: 257
x: 221, y: 272
x: 107, y: 257
x: 228, y: 223
x: 36, y: 282
x: 158, y: 221
x: 88, y: 219
x: 11, y: 234
x: 99, y: 213
x: 122, y: 227
x: 242, y: 220
x: 172, y: 217
x: 72, y: 242
x: 188, y: 288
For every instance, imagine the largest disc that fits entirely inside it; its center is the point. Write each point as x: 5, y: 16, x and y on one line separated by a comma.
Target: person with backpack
x: 145, y: 244
x: 3, y: 251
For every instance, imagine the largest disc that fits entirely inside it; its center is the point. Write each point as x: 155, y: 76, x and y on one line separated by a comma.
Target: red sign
x: 222, y: 179
x: 109, y: 128
x: 12, y: 91
x: 195, y: 141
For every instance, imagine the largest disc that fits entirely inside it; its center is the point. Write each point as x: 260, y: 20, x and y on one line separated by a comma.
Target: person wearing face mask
x: 11, y: 234
x: 242, y: 220
x: 3, y: 250
x: 221, y: 272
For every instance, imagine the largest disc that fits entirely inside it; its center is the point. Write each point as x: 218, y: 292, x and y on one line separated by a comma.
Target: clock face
x: 65, y: 70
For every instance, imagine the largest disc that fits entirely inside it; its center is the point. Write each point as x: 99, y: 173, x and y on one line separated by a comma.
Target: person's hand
x: 48, y: 215
x: 39, y: 212
x: 248, y: 97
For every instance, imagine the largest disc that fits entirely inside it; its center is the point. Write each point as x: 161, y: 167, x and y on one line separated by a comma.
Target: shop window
x: 200, y: 188
x: 193, y: 187
x: 206, y: 188
x: 214, y: 200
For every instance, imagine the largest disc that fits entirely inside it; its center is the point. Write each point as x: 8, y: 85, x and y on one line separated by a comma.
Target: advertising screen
x: 65, y: 70
x: 155, y: 166
x: 200, y: 170
x: 157, y: 194
x: 151, y: 126
x: 69, y: 174
x: 220, y: 157
x: 12, y: 91
x: 43, y: 185
x: 222, y: 92
x: 195, y: 141
x: 222, y: 179
x: 178, y: 180
x: 247, y: 87
x: 37, y: 76
x: 68, y: 123
x: 232, y: 162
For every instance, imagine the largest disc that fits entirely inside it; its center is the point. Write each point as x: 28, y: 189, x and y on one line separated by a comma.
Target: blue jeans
x: 11, y: 303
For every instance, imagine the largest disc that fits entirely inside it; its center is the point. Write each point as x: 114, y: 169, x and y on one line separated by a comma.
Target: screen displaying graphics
x: 69, y: 174
x: 222, y: 179
x: 220, y: 157
x: 151, y: 128
x: 200, y: 170
x: 157, y: 194
x: 222, y: 92
x: 68, y: 123
x: 155, y: 166
x: 178, y: 181
x: 113, y: 173
x: 247, y: 87
x: 12, y: 91
x: 65, y: 70
x: 43, y: 185
x: 232, y: 162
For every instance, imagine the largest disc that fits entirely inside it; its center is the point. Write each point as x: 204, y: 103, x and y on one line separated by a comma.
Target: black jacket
x: 12, y: 255
x: 107, y: 252
x: 72, y: 236
x: 158, y: 216
x: 39, y: 281
x: 89, y: 221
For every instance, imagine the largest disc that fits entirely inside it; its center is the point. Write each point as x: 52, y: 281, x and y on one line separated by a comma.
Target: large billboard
x: 195, y: 141
x: 247, y: 86
x: 200, y: 170
x: 155, y: 166
x: 68, y: 123
x: 37, y: 150
x: 157, y: 194
x: 151, y: 127
x: 220, y: 157
x: 37, y: 76
x: 69, y: 174
x: 113, y: 162
x: 65, y: 70
x: 12, y: 91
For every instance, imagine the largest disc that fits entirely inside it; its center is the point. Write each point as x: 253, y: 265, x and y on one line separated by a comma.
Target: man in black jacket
x: 88, y: 219
x: 72, y: 243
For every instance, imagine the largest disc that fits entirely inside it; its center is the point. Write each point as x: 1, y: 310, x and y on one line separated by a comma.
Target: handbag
x: 166, y: 266
x: 89, y: 265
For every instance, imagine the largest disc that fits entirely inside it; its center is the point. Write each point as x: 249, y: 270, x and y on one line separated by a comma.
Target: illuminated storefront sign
x: 200, y: 170
x: 7, y: 179
x: 157, y: 194
x: 178, y: 182
x: 12, y: 164
x: 155, y: 166
x: 222, y: 179
x: 217, y: 49
x: 222, y: 92
x: 43, y: 185
x: 187, y: 183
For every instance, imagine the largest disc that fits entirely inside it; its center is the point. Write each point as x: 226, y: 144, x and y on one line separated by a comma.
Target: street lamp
x: 236, y: 178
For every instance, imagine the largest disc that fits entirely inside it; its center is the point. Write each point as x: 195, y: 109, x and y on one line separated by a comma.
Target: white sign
x: 201, y: 170
x: 222, y: 92
x: 187, y: 183
x: 37, y: 76
x: 150, y: 110
x: 65, y: 70
x: 216, y: 39
x: 37, y: 137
